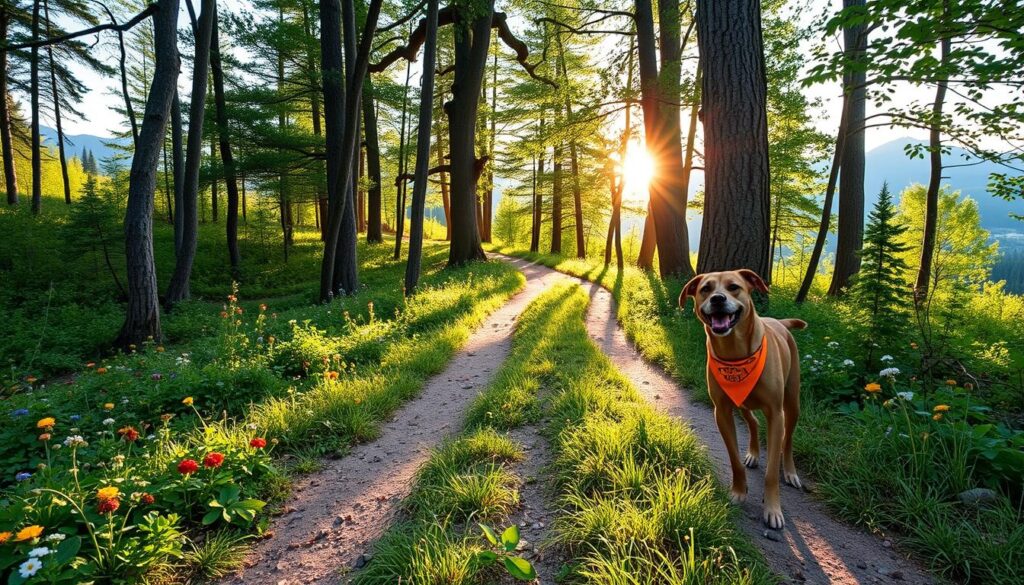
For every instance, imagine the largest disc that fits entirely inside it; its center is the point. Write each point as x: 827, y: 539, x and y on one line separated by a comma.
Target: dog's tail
x: 793, y: 323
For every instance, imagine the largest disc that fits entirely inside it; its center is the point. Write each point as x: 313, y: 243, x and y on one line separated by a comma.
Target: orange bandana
x: 738, y: 378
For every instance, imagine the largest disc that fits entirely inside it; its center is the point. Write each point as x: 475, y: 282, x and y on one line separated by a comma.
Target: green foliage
x: 518, y: 567
x: 93, y: 233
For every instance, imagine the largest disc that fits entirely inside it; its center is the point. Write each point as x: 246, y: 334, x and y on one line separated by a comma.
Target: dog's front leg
x: 772, y: 504
x: 727, y: 427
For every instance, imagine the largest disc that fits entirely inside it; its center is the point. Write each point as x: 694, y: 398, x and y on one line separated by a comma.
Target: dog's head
x: 722, y: 300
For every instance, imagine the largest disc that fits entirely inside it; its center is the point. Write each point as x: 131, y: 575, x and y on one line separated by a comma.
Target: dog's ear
x: 754, y: 280
x: 689, y: 289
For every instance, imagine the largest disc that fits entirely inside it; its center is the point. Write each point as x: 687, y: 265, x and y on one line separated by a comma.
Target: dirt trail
x: 813, y: 547
x: 336, y: 514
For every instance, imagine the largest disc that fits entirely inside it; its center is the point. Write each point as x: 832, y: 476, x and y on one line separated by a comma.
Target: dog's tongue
x: 720, y: 322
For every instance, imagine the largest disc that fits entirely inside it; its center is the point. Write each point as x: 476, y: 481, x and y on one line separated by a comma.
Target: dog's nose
x: 717, y: 299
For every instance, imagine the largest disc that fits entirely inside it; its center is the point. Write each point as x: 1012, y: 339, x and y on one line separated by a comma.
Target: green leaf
x: 489, y: 533
x: 487, y: 557
x: 510, y: 538
x: 520, y: 568
x: 229, y: 493
x: 67, y: 550
x: 250, y: 504
x: 211, y: 516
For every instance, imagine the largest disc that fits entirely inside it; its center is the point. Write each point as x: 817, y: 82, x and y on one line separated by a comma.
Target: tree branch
x: 149, y: 11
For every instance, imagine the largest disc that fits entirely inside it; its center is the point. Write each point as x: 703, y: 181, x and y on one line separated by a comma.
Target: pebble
x: 887, y: 543
x: 773, y: 535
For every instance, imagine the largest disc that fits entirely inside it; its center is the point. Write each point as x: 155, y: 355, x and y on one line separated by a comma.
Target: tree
x: 37, y: 151
x: 373, y: 198
x: 6, y: 106
x: 178, y: 289
x: 142, y: 318
x: 92, y: 228
x: 227, y: 157
x: 735, y: 231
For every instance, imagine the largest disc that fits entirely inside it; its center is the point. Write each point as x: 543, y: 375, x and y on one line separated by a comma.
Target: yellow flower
x: 873, y: 387
x: 5, y: 536
x: 941, y: 408
x: 29, y: 533
x: 160, y: 349
x: 937, y: 416
x: 950, y: 382
x: 109, y: 406
x: 45, y: 423
x: 913, y: 345
x: 187, y: 401
x: 107, y: 493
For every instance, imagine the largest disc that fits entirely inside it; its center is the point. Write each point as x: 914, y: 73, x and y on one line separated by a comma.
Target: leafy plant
x: 232, y: 508
x: 506, y: 544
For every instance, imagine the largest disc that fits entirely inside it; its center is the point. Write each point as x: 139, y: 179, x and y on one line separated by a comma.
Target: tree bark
x: 214, y: 187
x: 648, y: 242
x: 735, y: 232
x: 618, y: 184
x: 556, y: 201
x: 419, y: 189
x: 129, y: 109
x: 851, y: 179
x: 65, y: 181
x: 37, y: 154
x: 538, y: 196
x: 373, y: 194
x: 178, y: 166
x: 6, y: 140
x: 443, y: 178
x: 488, y: 206
x: 142, y: 318
x: 403, y: 163
x: 574, y: 165
x: 931, y: 215
x: 178, y: 290
x: 226, y: 155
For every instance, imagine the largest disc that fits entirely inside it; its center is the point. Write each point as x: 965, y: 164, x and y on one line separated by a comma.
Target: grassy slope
x: 638, y: 498
x: 912, y: 494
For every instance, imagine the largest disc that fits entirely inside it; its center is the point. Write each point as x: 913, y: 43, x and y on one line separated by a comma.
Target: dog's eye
x: 733, y: 287
x: 706, y: 288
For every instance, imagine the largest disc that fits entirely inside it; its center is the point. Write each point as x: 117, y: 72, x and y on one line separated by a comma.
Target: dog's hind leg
x: 751, y: 459
x: 772, y: 502
x: 727, y: 427
x: 791, y: 408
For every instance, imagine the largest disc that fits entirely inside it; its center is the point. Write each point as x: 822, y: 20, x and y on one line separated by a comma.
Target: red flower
x: 188, y: 466
x: 213, y: 460
x: 147, y: 499
x: 258, y: 443
x: 108, y: 506
x: 129, y: 434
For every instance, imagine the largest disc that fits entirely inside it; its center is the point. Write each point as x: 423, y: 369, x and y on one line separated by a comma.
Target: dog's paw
x: 737, y: 498
x: 791, y: 478
x: 773, y: 518
x: 751, y: 460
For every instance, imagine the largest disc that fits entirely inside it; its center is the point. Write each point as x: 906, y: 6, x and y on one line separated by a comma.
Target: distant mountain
x: 101, y: 147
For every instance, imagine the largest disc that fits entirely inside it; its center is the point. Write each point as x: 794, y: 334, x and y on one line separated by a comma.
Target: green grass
x: 863, y: 465
x: 638, y: 498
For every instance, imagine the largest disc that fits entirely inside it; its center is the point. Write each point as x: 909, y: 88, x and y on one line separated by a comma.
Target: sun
x: 637, y: 170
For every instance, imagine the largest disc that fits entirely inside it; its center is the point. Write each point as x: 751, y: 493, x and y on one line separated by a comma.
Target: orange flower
x: 160, y: 349
x: 31, y: 379
x: 29, y: 533
x: 107, y: 493
x: 913, y: 345
x: 950, y: 382
x: 44, y: 437
x: 108, y: 406
x: 223, y: 314
x: 937, y: 416
x: 941, y: 408
x: 873, y: 387
x: 238, y: 310
x: 90, y: 365
x: 101, y: 370
x: 46, y: 423
x: 5, y: 536
x: 187, y: 401
x: 128, y: 434
x: 332, y: 375
x: 263, y: 307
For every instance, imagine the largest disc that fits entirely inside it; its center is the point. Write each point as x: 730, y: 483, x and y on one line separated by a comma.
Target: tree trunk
x: 214, y: 203
x: 65, y: 182
x: 648, y: 243
x: 443, y: 178
x: 931, y: 215
x: 851, y: 179
x: 556, y: 201
x: 538, y: 197
x: 373, y: 195
x: 581, y: 245
x: 129, y: 109
x: 472, y: 44
x: 37, y: 154
x: 226, y: 155
x: 403, y: 162
x: 361, y: 194
x: 178, y: 289
x: 735, y: 232
x: 488, y: 203
x: 142, y: 318
x: 178, y: 165
x: 320, y: 202
x: 617, y: 185
x: 419, y: 189
x: 6, y: 140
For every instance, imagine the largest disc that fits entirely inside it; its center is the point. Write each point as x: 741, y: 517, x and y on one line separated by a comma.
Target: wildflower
x: 941, y: 408
x: 908, y: 396
x: 188, y: 466
x: 147, y: 499
x: 937, y: 416
x: 156, y: 376
x: 889, y: 373
x: 41, y: 551
x: 31, y: 379
x: 833, y: 344
x: 159, y: 349
x: 5, y: 536
x: 29, y: 533
x: 101, y: 370
x: 46, y: 423
x: 55, y: 537
x: 873, y: 387
x: 270, y: 339
x: 128, y: 434
x: 108, y: 506
x: 45, y: 437
x: 108, y: 422
x: 913, y: 345
x: 166, y: 417
x: 238, y: 310
x: 187, y: 401
x: 887, y: 403
x: 223, y: 314
x: 19, y: 412
x: 213, y: 460
x: 848, y: 363
x: 22, y: 476
x: 108, y: 406
x: 358, y: 401
x: 29, y: 568
x: 968, y: 386
x: 232, y: 298
x: 332, y: 375
x: 90, y: 365
x: 886, y: 358
x: 263, y: 307
x: 950, y: 382
x: 132, y: 346
x: 75, y: 417
x: 258, y: 443
x: 107, y: 493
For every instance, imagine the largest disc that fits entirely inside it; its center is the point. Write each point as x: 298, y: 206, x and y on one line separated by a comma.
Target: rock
x: 362, y: 561
x: 977, y: 496
x: 799, y: 576
x: 523, y: 545
x: 862, y: 565
x: 773, y: 535
x: 887, y: 543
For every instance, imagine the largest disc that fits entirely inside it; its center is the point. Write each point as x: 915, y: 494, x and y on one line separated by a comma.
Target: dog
x: 753, y: 363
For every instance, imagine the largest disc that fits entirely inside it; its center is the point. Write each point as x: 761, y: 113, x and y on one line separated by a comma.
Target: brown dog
x: 752, y: 364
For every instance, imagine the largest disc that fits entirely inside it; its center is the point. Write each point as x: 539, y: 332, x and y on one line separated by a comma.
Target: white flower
x: 889, y: 372
x: 39, y: 552
x: 886, y: 358
x: 848, y: 363
x: 124, y: 401
x: 29, y: 568
x: 833, y: 344
x: 74, y: 441
x: 55, y: 537
x: 908, y: 396
x: 108, y: 421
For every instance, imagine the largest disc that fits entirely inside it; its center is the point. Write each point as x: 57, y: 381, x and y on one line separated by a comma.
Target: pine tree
x: 94, y: 229
x: 880, y: 288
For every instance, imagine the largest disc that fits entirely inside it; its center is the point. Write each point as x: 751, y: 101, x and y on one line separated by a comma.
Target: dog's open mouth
x: 722, y: 322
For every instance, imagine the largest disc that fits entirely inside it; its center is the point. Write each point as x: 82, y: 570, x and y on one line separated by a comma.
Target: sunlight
x: 638, y: 169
